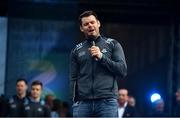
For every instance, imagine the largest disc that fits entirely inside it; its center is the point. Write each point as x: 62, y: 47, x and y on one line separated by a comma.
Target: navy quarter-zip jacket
x: 92, y: 79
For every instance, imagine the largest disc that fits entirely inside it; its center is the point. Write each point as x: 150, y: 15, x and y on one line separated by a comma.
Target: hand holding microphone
x: 95, y: 52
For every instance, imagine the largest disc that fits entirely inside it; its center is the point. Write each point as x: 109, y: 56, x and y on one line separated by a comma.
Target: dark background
x: 147, y: 29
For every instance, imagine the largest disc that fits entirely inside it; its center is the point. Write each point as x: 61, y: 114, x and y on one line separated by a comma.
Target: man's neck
x: 21, y: 96
x: 36, y: 99
x: 123, y: 104
x: 94, y: 37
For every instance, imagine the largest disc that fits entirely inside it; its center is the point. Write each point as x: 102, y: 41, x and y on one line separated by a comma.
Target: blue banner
x: 39, y: 50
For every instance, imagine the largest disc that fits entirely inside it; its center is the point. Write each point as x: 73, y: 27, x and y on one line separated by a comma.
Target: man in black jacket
x: 16, y: 103
x: 94, y: 66
x: 36, y: 106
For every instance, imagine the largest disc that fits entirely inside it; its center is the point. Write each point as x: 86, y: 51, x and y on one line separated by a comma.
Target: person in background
x: 124, y: 109
x: 65, y: 110
x: 176, y: 112
x: 36, y: 106
x: 158, y: 109
x: 56, y: 109
x: 131, y: 101
x: 49, y: 100
x: 16, y: 103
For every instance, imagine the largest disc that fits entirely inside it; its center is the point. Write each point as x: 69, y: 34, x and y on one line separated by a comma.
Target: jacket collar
x: 99, y: 38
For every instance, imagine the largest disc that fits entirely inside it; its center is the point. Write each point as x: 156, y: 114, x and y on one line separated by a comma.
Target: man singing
x: 94, y: 66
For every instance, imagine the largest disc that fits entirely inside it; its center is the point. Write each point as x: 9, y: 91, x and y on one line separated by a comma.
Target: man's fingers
x: 94, y: 49
x: 94, y: 54
x: 93, y: 46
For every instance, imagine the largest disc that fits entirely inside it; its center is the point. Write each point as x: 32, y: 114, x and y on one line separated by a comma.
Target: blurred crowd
x: 128, y: 108
x: 30, y: 104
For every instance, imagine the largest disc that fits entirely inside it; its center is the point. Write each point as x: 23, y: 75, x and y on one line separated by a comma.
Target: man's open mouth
x: 91, y: 30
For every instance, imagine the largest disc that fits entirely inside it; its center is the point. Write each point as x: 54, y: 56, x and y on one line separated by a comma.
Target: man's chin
x: 20, y: 93
x: 91, y: 36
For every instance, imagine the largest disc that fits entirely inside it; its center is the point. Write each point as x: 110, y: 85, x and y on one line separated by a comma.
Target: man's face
x: 123, y: 96
x: 90, y: 26
x: 159, y: 106
x: 49, y: 100
x: 36, y: 91
x: 21, y: 87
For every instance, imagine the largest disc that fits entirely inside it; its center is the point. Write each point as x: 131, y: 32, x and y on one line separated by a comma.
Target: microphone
x: 93, y: 43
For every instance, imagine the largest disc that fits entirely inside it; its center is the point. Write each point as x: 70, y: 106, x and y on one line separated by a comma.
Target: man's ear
x: 99, y: 24
x: 81, y: 29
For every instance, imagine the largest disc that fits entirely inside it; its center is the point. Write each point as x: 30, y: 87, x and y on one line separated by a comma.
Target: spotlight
x: 155, y: 97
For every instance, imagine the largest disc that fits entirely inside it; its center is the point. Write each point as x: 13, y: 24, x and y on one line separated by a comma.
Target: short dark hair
x: 86, y: 14
x: 21, y: 79
x: 36, y: 82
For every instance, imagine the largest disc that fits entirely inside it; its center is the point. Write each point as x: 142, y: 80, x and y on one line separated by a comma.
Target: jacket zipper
x: 92, y: 90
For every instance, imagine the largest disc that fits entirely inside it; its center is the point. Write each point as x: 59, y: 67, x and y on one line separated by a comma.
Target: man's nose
x: 89, y: 25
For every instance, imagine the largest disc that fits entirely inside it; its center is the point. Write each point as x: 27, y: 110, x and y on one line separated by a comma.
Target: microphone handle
x: 93, y: 43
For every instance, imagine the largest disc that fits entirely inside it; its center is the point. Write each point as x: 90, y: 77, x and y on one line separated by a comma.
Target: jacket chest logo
x: 81, y: 53
x: 40, y: 109
x: 27, y: 108
x: 104, y: 50
x: 13, y: 106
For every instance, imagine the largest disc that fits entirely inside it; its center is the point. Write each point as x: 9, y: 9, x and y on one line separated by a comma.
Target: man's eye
x: 85, y: 24
x: 92, y: 22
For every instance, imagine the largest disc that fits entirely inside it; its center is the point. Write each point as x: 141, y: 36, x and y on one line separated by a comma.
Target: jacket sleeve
x: 117, y: 64
x: 74, y: 70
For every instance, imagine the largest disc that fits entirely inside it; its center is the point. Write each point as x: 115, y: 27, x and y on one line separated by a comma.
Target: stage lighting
x: 155, y: 97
